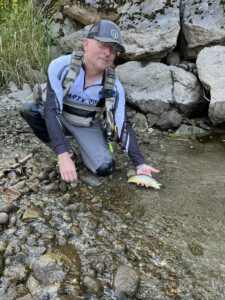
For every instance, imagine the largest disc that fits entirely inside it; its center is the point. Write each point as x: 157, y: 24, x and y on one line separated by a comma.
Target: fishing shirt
x: 87, y: 96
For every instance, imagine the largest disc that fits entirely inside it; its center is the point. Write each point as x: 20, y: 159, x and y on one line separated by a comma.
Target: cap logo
x: 114, y: 34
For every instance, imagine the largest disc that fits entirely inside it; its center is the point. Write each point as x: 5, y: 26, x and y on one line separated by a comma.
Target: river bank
x: 172, y: 236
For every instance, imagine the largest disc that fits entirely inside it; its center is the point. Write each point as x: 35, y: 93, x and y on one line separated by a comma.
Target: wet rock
x: 126, y: 280
x: 33, y: 284
x: 3, y: 246
x: 1, y: 263
x: 12, y: 220
x: 75, y: 230
x: 10, y: 253
x: 93, y: 285
x: 185, y: 130
x: 21, y: 291
x: 100, y: 267
x: 53, y: 186
x: 33, y: 214
x: 26, y: 297
x: 4, y: 218
x: 72, y: 207
x: 120, y: 247
x: 33, y: 187
x: 20, y: 185
x: 63, y: 186
x: 51, y: 268
x: 7, y: 208
x: 34, y: 251
x: 68, y: 297
x: 131, y: 256
x: 196, y: 249
x: 17, y: 271
x: 43, y: 175
x: 91, y: 180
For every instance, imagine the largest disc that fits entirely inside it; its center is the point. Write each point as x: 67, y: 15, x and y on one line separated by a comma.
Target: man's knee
x: 106, y: 169
x: 28, y: 109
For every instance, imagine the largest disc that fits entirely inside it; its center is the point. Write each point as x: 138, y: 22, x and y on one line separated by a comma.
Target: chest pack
x: 81, y: 115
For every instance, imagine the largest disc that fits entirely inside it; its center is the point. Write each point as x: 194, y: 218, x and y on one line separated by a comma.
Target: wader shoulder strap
x: 110, y: 79
x: 75, y: 65
x: 109, y: 95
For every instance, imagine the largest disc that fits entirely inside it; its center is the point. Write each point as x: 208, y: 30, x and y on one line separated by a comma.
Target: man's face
x: 99, y: 55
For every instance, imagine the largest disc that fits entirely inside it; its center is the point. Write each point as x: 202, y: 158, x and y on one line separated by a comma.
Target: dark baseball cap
x: 106, y: 31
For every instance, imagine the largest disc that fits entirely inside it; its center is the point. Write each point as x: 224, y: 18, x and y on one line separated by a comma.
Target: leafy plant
x: 25, y: 39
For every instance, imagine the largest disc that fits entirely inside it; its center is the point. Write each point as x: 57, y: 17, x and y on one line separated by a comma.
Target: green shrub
x: 25, y: 38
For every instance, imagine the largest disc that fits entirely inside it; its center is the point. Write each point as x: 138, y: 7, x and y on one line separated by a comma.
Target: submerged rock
x: 93, y: 285
x: 126, y: 280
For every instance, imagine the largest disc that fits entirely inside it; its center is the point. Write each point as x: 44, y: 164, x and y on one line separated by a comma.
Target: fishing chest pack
x: 104, y: 109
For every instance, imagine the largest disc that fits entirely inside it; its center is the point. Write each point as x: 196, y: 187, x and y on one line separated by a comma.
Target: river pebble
x: 93, y: 285
x: 126, y: 280
x: 4, y: 218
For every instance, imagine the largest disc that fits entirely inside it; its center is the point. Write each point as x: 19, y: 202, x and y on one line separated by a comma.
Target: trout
x: 147, y: 180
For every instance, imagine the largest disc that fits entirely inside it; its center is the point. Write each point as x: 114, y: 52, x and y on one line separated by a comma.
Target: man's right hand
x: 67, y: 167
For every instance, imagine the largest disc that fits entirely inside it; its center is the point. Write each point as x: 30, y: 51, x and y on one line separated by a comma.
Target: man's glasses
x: 114, y: 47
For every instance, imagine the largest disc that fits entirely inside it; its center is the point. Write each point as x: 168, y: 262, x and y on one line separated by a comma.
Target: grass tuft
x: 25, y: 40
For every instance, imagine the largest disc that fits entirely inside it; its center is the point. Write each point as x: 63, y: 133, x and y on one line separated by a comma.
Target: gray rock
x: 1, y: 263
x: 140, y: 122
x: 173, y: 58
x: 212, y: 75
x: 202, y: 24
x: 151, y: 119
x: 51, y: 268
x: 185, y: 130
x: 156, y: 87
x: 26, y: 297
x: 91, y: 180
x: 93, y: 285
x: 170, y: 119
x: 53, y: 186
x: 126, y: 280
x: 7, y: 208
x: 32, y: 214
x: 17, y: 271
x: 13, y: 87
x: 4, y: 218
x: 153, y: 32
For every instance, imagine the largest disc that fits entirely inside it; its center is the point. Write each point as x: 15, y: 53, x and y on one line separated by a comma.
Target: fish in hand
x: 145, y: 180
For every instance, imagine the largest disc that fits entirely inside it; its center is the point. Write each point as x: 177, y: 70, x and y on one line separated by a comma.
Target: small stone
x: 32, y: 214
x: 93, y: 285
x: 126, y: 280
x: 4, y: 218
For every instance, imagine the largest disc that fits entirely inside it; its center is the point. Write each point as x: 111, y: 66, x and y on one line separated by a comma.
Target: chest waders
x: 82, y: 115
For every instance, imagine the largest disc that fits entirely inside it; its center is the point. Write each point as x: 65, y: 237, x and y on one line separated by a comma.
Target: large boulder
x: 203, y: 24
x: 211, y: 71
x: 156, y: 87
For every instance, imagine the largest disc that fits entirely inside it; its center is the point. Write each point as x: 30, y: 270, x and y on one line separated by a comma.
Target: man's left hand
x: 146, y: 170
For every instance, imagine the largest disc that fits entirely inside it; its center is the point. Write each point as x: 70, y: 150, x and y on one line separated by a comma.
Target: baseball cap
x: 106, y: 31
